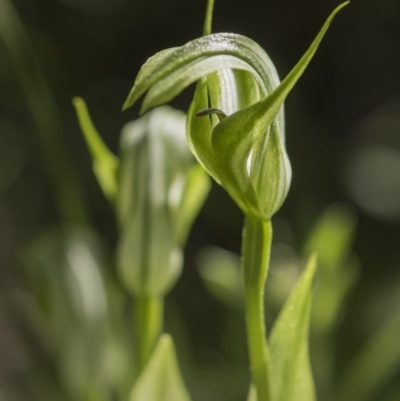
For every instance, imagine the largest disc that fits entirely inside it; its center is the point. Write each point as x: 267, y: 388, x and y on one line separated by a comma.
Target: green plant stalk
x: 256, y: 249
x: 149, y: 312
x: 207, y: 28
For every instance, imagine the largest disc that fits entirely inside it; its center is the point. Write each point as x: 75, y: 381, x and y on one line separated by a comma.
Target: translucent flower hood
x: 235, y: 125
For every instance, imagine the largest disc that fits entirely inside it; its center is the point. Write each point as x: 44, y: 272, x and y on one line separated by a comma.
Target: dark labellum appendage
x: 206, y: 112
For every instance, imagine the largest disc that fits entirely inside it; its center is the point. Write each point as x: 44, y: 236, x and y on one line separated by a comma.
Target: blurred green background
x: 343, y: 140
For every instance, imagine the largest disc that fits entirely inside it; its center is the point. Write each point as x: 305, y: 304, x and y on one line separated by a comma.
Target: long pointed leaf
x: 291, y: 373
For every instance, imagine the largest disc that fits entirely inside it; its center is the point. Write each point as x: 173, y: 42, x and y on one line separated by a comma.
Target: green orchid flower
x: 235, y: 125
x: 157, y: 190
x: 160, y: 192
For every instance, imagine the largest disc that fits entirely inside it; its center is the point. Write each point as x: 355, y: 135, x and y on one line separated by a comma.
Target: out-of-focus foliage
x: 80, y: 303
x: 44, y: 111
x: 332, y: 239
x: 376, y: 364
x: 220, y: 271
x: 105, y: 163
x: 161, y: 379
x: 343, y: 140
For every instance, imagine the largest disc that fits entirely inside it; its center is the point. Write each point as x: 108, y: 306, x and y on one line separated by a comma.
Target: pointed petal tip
x: 314, y: 257
x: 166, y: 338
x: 338, y: 8
x: 145, y: 108
x: 130, y: 100
x: 126, y: 105
x: 312, y: 263
x: 77, y: 101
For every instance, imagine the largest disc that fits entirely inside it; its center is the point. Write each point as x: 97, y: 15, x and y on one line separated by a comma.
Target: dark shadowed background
x: 343, y: 140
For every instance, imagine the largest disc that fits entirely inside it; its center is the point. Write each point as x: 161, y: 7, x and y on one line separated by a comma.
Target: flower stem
x: 148, y: 325
x: 255, y: 261
x: 207, y: 29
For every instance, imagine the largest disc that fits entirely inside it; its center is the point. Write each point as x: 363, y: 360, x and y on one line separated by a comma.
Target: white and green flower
x: 245, y: 151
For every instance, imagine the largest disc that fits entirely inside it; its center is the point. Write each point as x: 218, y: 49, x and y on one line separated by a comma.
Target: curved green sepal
x: 249, y: 156
x: 156, y: 70
x: 169, y: 87
x: 229, y: 91
x: 150, y: 68
x: 105, y: 163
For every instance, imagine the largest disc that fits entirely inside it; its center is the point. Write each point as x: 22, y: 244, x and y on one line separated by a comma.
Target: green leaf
x: 374, y: 366
x: 201, y: 129
x: 291, y: 374
x: 105, y: 163
x: 161, y: 379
